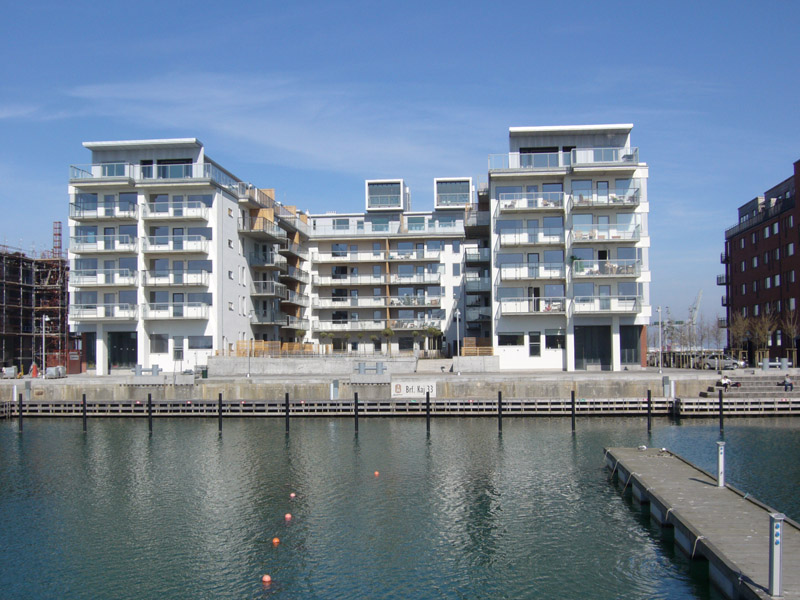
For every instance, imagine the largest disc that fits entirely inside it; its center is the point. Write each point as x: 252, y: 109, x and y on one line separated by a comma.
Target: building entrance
x: 121, y: 349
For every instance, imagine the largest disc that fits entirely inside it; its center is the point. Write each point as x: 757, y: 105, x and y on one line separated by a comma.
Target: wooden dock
x: 720, y: 524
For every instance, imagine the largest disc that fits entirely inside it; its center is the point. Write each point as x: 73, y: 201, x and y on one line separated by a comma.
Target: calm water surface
x: 465, y: 513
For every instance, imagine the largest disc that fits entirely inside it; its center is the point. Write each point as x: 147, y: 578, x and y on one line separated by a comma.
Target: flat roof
x: 145, y: 144
x: 610, y: 128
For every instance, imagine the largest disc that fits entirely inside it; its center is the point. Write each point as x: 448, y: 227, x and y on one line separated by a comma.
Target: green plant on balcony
x: 577, y: 263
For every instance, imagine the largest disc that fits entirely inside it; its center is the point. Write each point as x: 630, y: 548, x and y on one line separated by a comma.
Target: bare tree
x: 762, y: 328
x: 789, y: 324
x: 717, y: 334
x: 737, y: 330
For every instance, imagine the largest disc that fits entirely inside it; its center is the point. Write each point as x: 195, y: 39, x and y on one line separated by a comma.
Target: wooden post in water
x: 355, y: 409
x: 572, y: 395
x: 286, y: 410
x: 428, y: 411
x: 219, y: 411
x: 20, y: 412
x: 649, y: 411
x: 83, y: 407
x: 500, y: 411
x: 721, y: 416
x: 150, y: 412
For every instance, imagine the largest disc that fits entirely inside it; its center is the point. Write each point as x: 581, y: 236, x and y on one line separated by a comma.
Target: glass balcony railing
x: 477, y: 284
x: 452, y: 199
x: 101, y: 277
x: 338, y: 325
x: 101, y: 312
x: 175, y: 243
x: 404, y: 301
x: 175, y: 310
x: 523, y: 237
x: 116, y: 210
x: 477, y: 255
x: 529, y: 161
x: 722, y: 279
x: 355, y: 229
x: 349, y: 279
x: 267, y: 260
x: 517, y: 272
x: 605, y: 156
x: 397, y: 278
x: 295, y: 298
x: 606, y: 268
x: 477, y: 218
x: 103, y: 243
x: 175, y: 210
x: 482, y: 313
x: 260, y: 227
x: 269, y: 288
x: 350, y: 302
x: 122, y: 170
x: 605, y: 232
x: 527, y: 306
x: 385, y: 201
x: 606, y: 304
x: 399, y: 324
x: 531, y: 201
x: 617, y: 198
x: 169, y: 278
x: 294, y: 249
x: 297, y: 275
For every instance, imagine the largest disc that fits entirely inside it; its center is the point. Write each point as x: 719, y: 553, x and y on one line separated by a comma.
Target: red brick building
x: 762, y: 265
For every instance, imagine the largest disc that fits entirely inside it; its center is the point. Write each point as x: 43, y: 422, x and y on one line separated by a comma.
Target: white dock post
x: 775, y: 554
x: 721, y: 464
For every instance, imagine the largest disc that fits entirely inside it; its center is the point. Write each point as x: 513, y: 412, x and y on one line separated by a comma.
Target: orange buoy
x: 266, y: 579
x: 276, y: 541
x: 288, y: 516
x: 377, y: 473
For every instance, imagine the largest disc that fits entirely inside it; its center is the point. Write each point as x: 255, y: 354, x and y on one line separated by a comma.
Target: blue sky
x: 312, y: 98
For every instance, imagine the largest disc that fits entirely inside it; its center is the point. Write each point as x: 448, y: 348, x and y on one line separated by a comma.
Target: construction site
x: 34, y: 301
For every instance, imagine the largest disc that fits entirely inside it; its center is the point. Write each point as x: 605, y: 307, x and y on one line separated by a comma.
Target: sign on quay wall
x: 413, y: 389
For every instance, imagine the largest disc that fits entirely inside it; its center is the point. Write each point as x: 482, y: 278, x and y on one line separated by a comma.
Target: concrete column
x: 142, y: 345
x: 101, y: 350
x: 570, y: 349
x: 616, y: 362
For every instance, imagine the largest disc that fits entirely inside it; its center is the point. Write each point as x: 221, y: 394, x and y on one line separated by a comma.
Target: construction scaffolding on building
x: 34, y: 301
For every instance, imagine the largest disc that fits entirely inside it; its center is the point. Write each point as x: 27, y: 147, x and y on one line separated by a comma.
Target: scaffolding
x: 34, y: 301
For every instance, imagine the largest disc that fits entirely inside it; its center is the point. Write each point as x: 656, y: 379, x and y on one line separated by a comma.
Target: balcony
x: 606, y: 157
x: 531, y: 237
x: 556, y: 305
x: 606, y: 268
x: 268, y: 317
x: 605, y: 233
x: 453, y: 200
x: 103, y: 243
x: 724, y: 258
x: 371, y: 325
x: 722, y: 279
x: 293, y: 222
x: 103, y: 312
x: 175, y: 243
x: 293, y: 322
x: 616, y: 198
x: 351, y: 302
x: 356, y: 230
x: 521, y: 272
x: 722, y: 323
x: 531, y: 201
x: 606, y: 304
x: 477, y: 218
x: 412, y: 255
x: 349, y: 279
x: 296, y: 299
x: 117, y: 211
x: 269, y: 288
x: 260, y: 228
x: 397, y: 279
x: 266, y: 260
x: 103, y: 277
x: 175, y: 210
x: 481, y: 313
x: 340, y: 256
x: 296, y: 274
x: 385, y: 202
x: 479, y: 255
x: 477, y: 284
x: 171, y: 278
x: 175, y: 310
x: 726, y: 301
x: 406, y: 301
x: 292, y: 249
x: 522, y: 161
x: 127, y: 173
x: 413, y: 324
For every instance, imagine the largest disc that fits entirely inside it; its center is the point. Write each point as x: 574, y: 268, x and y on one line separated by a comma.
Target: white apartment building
x: 570, y: 242
x: 389, y: 279
x: 173, y: 258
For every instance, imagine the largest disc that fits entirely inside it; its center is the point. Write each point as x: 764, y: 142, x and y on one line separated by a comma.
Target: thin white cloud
x: 15, y: 111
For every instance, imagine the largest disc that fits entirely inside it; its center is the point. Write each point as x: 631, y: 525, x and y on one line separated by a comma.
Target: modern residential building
x: 570, y: 243
x: 174, y: 258
x: 761, y: 263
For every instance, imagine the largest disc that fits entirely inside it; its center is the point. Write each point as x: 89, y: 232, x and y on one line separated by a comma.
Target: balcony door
x: 177, y: 238
x: 533, y: 264
x: 177, y: 305
x: 177, y: 272
x: 108, y: 304
x: 108, y: 271
x: 534, y: 301
x: 604, y: 292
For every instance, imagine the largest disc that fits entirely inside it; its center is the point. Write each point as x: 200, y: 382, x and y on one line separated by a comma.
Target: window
x: 777, y: 280
x: 230, y: 275
x: 756, y: 310
x: 791, y: 220
x: 791, y: 304
x: 338, y: 250
x: 230, y: 244
x: 456, y: 269
x: 555, y: 339
x: 341, y: 224
x: 790, y: 249
x: 741, y: 270
x: 767, y: 283
x: 755, y: 262
x: 755, y: 286
x: 775, y: 228
x: 741, y: 243
x: 791, y: 276
x: 753, y: 238
x: 200, y: 342
x: 744, y: 289
x: 230, y: 212
x: 177, y: 348
x: 510, y: 339
x: 405, y: 343
x: 777, y: 254
x: 535, y: 343
x: 766, y: 232
x: 376, y: 248
x: 230, y: 306
x: 456, y: 246
x: 744, y: 311
x: 159, y: 343
x: 766, y: 258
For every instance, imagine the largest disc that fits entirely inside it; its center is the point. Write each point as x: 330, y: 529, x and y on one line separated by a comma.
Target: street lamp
x: 458, y: 333
x: 660, y: 345
x: 45, y: 319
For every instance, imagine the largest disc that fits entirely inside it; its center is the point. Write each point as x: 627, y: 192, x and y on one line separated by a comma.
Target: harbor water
x: 389, y: 513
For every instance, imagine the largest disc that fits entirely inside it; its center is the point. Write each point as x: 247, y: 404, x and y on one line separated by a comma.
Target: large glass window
x: 555, y: 339
x: 341, y: 224
x: 200, y: 342
x: 159, y: 343
x: 339, y: 250
x: 535, y: 343
x: 510, y: 339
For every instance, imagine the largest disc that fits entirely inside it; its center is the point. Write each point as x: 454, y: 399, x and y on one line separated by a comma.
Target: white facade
x: 569, y: 238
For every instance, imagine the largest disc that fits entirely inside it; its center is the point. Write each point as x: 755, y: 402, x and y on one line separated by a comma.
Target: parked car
x: 719, y: 361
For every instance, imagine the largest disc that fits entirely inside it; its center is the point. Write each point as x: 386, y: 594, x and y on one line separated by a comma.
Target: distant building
x: 762, y: 263
x: 174, y: 258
